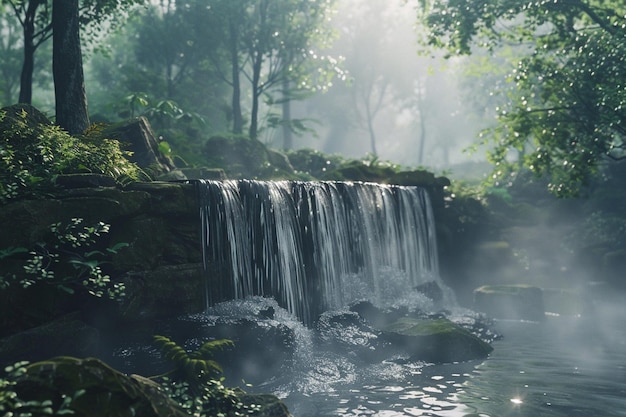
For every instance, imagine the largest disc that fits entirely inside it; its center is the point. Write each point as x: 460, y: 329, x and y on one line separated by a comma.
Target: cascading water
x: 304, y: 242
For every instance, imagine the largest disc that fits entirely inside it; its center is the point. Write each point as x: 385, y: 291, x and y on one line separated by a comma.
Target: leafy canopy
x: 565, y: 115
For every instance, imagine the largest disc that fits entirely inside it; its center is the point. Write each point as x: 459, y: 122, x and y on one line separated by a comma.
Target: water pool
x: 563, y: 367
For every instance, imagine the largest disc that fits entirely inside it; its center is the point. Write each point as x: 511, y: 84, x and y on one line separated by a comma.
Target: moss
x: 438, y: 340
x: 412, y: 327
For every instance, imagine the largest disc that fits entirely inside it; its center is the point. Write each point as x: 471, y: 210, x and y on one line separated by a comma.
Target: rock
x: 86, y: 180
x: 33, y: 118
x: 241, y: 157
x: 138, y: 134
x: 204, y: 173
x: 348, y: 332
x: 67, y: 335
x: 431, y: 290
x: 165, y: 292
x: 517, y: 302
x: 107, y: 392
x: 97, y: 390
x: 435, y: 340
x: 374, y: 315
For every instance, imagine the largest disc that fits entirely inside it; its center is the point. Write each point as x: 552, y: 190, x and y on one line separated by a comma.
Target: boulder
x: 346, y: 331
x: 241, y: 157
x: 164, y: 292
x: 68, y: 335
x: 137, y: 136
x: 431, y: 290
x: 435, y: 340
x: 374, y: 315
x: 516, y: 302
x: 95, y: 389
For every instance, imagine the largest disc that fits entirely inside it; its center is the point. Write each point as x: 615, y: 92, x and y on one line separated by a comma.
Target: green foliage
x: 564, y: 117
x: 12, y: 406
x: 212, y: 398
x: 67, y: 261
x: 33, y: 152
x: 197, y: 366
x: 196, y: 383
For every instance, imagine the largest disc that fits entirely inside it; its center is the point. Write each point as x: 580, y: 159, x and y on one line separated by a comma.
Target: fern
x: 197, y: 366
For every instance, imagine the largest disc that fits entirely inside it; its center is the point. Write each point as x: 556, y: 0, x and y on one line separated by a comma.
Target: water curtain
x: 301, y: 241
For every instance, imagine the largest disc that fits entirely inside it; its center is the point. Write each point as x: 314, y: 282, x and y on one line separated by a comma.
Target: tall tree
x: 35, y: 17
x: 567, y: 115
x: 270, y: 43
x: 67, y: 68
x: 11, y: 56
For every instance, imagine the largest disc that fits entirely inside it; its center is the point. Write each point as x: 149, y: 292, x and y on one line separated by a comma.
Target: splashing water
x: 304, y: 243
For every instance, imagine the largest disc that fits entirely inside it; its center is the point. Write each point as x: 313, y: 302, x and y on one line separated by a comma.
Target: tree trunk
x: 254, y: 113
x: 28, y: 66
x: 236, y: 99
x: 67, y: 68
x: 287, y: 133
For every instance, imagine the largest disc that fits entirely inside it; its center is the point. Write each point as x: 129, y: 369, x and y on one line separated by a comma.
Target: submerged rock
x: 435, y: 340
x: 517, y: 302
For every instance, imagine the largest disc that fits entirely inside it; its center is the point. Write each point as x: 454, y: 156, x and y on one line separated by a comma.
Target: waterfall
x: 303, y: 242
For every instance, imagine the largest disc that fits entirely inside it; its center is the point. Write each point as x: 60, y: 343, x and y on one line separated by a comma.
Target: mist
x: 396, y: 104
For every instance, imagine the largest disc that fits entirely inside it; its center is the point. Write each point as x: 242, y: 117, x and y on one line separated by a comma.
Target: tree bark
x: 236, y: 98
x: 287, y: 133
x: 28, y: 66
x: 67, y: 68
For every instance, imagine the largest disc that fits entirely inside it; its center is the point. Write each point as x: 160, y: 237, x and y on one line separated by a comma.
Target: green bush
x: 33, y: 151
x: 68, y: 260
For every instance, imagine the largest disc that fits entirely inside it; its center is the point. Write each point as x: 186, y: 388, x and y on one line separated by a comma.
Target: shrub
x: 67, y: 261
x: 33, y: 151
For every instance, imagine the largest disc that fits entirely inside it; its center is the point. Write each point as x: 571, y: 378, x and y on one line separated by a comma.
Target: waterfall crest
x: 302, y: 242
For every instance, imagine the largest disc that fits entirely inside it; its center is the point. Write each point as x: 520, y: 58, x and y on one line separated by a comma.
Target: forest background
x: 536, y: 89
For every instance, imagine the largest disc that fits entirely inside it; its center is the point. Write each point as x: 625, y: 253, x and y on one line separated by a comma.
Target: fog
x: 396, y: 104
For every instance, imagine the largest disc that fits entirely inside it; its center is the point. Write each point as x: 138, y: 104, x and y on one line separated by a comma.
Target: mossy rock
x: 360, y: 171
x: 418, y: 177
x: 516, y: 302
x: 436, y: 340
x: 14, y: 114
x: 165, y: 292
x: 107, y: 392
x: 97, y: 390
x: 241, y: 157
x: 68, y: 335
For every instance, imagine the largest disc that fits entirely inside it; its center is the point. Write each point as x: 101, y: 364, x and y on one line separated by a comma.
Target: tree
x: 271, y: 44
x: 67, y: 68
x: 566, y: 116
x: 35, y: 17
x: 10, y: 62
